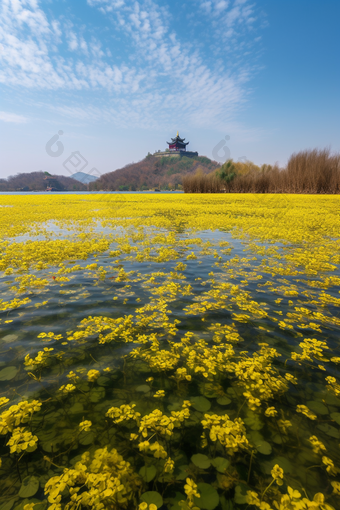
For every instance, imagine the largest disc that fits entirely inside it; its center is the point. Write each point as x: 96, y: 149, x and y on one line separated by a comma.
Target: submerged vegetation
x: 170, y: 351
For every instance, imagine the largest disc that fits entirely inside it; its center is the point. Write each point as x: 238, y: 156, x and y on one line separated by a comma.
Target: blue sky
x: 120, y: 77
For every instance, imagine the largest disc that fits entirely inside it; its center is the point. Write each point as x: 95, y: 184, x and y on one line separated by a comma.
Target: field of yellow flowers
x: 169, y: 351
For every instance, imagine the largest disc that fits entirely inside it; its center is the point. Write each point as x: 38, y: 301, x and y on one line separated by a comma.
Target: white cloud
x: 164, y: 73
x: 12, y: 117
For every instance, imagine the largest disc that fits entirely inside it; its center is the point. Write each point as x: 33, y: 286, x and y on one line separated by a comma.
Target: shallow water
x: 238, y: 286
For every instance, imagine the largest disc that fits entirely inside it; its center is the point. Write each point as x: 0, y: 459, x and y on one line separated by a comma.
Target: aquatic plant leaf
x: 317, y: 407
x: 211, y: 390
x: 103, y: 381
x: 143, y: 388
x: 200, y: 404
x: 51, y: 446
x: 175, y: 406
x: 329, y: 430
x: 29, y: 487
x: 77, y: 408
x: 226, y: 504
x: 8, y: 373
x: 223, y: 401
x: 240, y: 494
x: 174, y: 501
x: 220, y: 463
x: 152, y: 497
x: 336, y: 417
x: 7, y: 505
x: 148, y: 473
x: 200, y: 460
x: 183, y: 472
x: 253, y: 421
x: 263, y: 447
x: 209, y: 497
x: 97, y: 394
x: 276, y: 438
x: 86, y: 438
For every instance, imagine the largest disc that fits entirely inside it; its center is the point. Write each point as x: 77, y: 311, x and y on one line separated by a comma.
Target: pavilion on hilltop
x: 177, y: 144
x: 177, y: 147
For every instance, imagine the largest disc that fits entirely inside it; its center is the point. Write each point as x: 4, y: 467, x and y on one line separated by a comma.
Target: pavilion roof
x: 177, y: 139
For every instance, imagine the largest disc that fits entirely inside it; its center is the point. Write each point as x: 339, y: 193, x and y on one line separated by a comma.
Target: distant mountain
x: 39, y: 181
x: 84, y: 178
x: 165, y: 172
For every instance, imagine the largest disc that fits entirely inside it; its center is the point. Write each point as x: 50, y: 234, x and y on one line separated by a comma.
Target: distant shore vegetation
x: 310, y: 171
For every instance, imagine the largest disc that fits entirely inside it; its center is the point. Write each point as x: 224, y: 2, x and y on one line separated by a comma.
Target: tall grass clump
x: 310, y: 171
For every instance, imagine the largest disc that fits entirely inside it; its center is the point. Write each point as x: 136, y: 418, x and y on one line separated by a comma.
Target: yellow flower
x: 277, y: 473
x: 68, y: 388
x: 159, y: 394
x: 307, y: 412
x: 92, y: 375
x: 293, y: 494
x: 3, y: 401
x: 270, y: 412
x: 336, y: 488
x: 85, y: 425
x: 331, y: 469
x: 190, y: 489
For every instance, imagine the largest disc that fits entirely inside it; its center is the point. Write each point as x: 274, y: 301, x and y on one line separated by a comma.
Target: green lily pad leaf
x: 175, y: 406
x: 201, y: 404
x: 329, y: 430
x: 253, y: 421
x: 260, y: 444
x: 174, y: 501
x: 211, y: 390
x: 209, y: 497
x: 97, y: 394
x: 201, y: 461
x: 232, y: 392
x: 9, y: 338
x: 263, y: 447
x: 148, y: 473
x: 276, y: 438
x: 8, y: 373
x: 220, y: 463
x: 183, y: 472
x: 77, y: 408
x: 29, y: 487
x: 240, y: 494
x: 51, y: 446
x: 143, y: 388
x: 226, y: 504
x: 152, y: 497
x: 7, y: 505
x: 83, y: 386
x: 86, y: 438
x: 336, y: 417
x: 223, y: 401
x: 317, y: 407
x: 103, y: 381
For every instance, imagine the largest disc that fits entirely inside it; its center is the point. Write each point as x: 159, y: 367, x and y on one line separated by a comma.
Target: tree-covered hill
x: 39, y: 181
x: 153, y: 172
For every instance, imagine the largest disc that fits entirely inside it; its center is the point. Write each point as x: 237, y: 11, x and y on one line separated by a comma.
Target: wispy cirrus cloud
x: 13, y: 117
x: 154, y: 73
